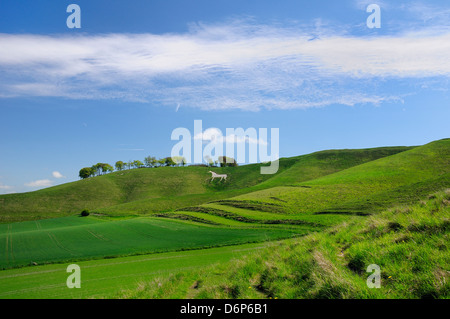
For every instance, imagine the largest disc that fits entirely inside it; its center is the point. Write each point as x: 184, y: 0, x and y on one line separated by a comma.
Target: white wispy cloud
x: 238, y: 65
x: 5, y: 187
x: 427, y: 11
x: 215, y: 135
x: 57, y: 174
x: 40, y: 183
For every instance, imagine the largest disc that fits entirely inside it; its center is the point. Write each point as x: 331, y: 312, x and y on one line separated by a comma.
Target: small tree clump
x: 85, y: 213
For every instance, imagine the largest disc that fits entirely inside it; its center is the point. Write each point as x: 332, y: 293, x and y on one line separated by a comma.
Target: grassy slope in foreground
x: 409, y: 243
x: 161, y: 189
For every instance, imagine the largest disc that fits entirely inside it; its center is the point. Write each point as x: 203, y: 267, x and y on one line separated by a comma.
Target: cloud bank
x: 40, y: 183
x: 234, y: 66
x: 5, y: 187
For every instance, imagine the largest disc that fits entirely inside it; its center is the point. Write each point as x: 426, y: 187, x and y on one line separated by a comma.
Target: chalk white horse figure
x: 221, y: 176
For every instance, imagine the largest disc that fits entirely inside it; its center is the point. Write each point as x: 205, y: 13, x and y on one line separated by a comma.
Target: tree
x: 209, y: 160
x: 96, y: 169
x: 161, y: 162
x: 120, y: 165
x: 227, y: 161
x: 106, y: 168
x: 86, y: 172
x: 129, y: 164
x: 168, y: 161
x: 101, y: 168
x: 138, y: 164
x: 150, y: 161
x: 179, y: 160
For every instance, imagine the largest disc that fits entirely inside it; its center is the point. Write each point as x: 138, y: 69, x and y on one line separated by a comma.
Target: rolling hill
x: 163, y: 189
x: 363, y: 189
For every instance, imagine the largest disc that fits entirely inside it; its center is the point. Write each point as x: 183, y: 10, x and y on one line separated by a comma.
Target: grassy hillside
x: 362, y: 190
x: 315, y: 165
x: 368, y: 187
x: 116, y: 188
x: 162, y: 189
x: 292, y: 170
x: 409, y: 243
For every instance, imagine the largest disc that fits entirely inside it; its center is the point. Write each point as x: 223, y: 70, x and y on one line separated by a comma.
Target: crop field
x: 106, y: 278
x: 78, y: 238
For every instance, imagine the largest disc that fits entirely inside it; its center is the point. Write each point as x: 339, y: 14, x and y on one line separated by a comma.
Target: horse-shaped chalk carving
x: 221, y: 176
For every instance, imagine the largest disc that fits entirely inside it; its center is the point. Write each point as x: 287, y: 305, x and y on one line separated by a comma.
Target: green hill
x: 113, y: 189
x: 363, y: 189
x: 163, y: 189
x: 366, y: 188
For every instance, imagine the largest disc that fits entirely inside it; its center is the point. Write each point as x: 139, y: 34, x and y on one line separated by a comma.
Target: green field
x: 81, y: 238
x: 141, y: 216
x: 107, y: 278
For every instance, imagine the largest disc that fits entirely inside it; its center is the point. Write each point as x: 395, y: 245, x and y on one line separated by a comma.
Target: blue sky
x: 116, y: 88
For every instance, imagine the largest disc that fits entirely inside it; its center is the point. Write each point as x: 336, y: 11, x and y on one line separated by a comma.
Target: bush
x: 85, y: 213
